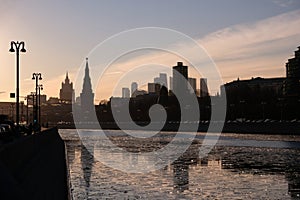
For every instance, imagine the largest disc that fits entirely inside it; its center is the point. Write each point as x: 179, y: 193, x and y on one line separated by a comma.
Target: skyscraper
x: 153, y: 88
x: 87, y: 95
x: 180, y: 76
x: 192, y: 82
x: 134, y: 87
x: 171, y: 83
x: 66, y: 92
x: 125, y: 93
x: 162, y: 80
x: 203, y: 87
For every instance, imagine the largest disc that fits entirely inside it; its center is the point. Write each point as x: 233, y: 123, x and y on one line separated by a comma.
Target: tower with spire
x: 66, y: 93
x: 87, y: 95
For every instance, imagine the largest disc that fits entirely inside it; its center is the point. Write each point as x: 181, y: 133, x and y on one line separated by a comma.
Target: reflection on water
x: 228, y: 172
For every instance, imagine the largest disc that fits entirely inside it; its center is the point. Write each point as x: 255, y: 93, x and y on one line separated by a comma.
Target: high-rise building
x: 87, y: 95
x: 66, y: 93
x: 292, y: 83
x: 125, y: 93
x: 153, y: 88
x: 180, y: 76
x: 134, y: 87
x: 171, y: 83
x: 192, y: 82
x: 162, y: 80
x: 203, y: 87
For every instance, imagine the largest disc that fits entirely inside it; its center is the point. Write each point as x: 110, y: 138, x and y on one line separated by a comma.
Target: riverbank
x: 257, y: 127
x: 34, y: 167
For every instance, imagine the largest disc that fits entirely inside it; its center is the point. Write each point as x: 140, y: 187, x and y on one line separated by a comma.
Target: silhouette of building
x: 292, y: 83
x: 163, y: 96
x: 162, y: 80
x: 171, y: 83
x: 87, y: 95
x: 153, y: 88
x: 30, y: 99
x: 192, y: 82
x: 53, y: 100
x: 66, y: 92
x: 272, y: 84
x: 139, y: 93
x: 180, y: 77
x: 134, y: 87
x: 203, y: 87
x: 125, y: 93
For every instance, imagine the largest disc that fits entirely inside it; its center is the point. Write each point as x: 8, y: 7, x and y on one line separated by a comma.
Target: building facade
x: 162, y: 80
x: 66, y: 93
x: 292, y: 83
x: 134, y: 87
x: 203, y: 87
x: 253, y: 90
x: 180, y: 77
x: 125, y: 93
x: 193, y: 83
x: 154, y: 88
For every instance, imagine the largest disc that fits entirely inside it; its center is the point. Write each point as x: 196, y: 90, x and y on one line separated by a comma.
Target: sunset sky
x: 244, y: 38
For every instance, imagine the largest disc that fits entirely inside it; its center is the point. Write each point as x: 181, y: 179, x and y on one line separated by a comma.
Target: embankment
x: 34, y: 167
x: 276, y: 127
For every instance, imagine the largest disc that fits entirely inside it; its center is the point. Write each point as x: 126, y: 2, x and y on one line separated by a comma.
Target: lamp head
x: 12, y: 47
x: 23, y: 47
x: 33, y: 76
x: 23, y: 50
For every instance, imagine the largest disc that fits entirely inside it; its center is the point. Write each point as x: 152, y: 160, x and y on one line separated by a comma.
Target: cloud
x: 244, y: 50
x: 284, y: 3
x: 267, y: 43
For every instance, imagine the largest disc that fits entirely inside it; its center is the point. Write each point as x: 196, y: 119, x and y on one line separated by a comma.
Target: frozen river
x: 240, y: 166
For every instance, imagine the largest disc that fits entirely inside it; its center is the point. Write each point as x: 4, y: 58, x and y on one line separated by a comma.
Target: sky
x: 243, y: 38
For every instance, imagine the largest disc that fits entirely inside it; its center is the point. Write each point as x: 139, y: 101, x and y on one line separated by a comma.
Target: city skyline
x: 244, y: 44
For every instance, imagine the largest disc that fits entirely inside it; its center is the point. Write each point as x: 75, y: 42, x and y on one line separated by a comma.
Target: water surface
x: 240, y: 166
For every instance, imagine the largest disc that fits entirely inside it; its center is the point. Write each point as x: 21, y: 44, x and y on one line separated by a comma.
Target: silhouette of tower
x: 162, y: 80
x: 66, y: 92
x: 180, y: 77
x: 87, y: 95
x: 134, y: 87
x: 192, y: 82
x: 125, y: 93
x: 163, y: 96
x: 203, y: 87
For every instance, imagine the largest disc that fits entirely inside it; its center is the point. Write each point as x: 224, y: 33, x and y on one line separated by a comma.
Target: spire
x: 87, y: 86
x: 87, y: 67
x: 67, y: 80
x: 87, y: 95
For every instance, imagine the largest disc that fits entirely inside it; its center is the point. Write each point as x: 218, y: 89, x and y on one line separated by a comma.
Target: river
x: 239, y: 166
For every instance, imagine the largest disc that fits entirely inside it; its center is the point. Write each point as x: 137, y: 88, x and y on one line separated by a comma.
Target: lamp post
x: 17, y: 47
x: 32, y: 95
x: 36, y: 77
x: 40, y: 88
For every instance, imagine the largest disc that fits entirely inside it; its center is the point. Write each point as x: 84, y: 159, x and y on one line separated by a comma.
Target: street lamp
x: 32, y: 95
x: 36, y: 77
x: 17, y: 47
x: 40, y: 88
